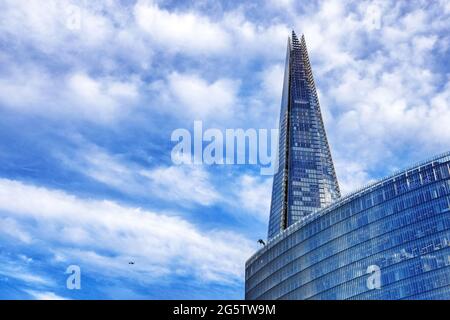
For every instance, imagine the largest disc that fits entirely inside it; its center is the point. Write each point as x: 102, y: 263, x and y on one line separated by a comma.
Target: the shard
x: 306, y: 180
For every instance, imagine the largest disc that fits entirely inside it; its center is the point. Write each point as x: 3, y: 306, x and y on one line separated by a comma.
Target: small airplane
x: 261, y: 241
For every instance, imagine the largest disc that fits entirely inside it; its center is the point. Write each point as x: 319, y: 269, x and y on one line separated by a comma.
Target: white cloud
x: 58, y: 71
x: 187, y: 31
x: 160, y: 245
x: 283, y: 4
x: 106, y: 98
x: 77, y: 76
x: 66, y: 29
x: 201, y: 99
x: 23, y: 89
x: 352, y: 175
x: 32, y: 90
x: 272, y: 82
x: 103, y: 167
x: 193, y: 33
x: 22, y: 269
x: 44, y: 295
x: 13, y: 229
x: 253, y: 194
x: 185, y: 184
x: 252, y: 39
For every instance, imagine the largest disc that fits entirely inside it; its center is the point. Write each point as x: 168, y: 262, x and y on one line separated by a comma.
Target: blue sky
x: 88, y: 105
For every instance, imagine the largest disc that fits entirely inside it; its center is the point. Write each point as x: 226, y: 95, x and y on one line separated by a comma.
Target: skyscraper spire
x: 306, y: 179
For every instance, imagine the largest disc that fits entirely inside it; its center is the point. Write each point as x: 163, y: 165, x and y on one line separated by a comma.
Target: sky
x: 90, y: 93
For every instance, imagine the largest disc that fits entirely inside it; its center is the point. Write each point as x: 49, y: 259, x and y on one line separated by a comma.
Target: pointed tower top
x: 295, y: 40
x: 294, y: 36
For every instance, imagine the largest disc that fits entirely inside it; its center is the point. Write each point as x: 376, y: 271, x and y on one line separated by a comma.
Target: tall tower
x: 306, y: 179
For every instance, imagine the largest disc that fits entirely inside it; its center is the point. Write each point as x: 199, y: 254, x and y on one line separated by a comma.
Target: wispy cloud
x: 103, y: 236
x: 184, y: 184
x: 189, y: 32
x: 34, y: 91
x: 44, y: 295
x: 253, y: 193
x: 21, y: 268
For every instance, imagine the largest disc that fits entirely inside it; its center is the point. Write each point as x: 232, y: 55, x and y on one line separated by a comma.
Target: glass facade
x: 400, y: 226
x: 306, y: 179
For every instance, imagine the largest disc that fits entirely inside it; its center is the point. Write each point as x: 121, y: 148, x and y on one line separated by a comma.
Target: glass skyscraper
x: 305, y: 180
x: 389, y: 240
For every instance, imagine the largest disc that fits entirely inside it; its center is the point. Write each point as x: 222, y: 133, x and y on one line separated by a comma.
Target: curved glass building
x: 389, y: 240
x: 397, y: 229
